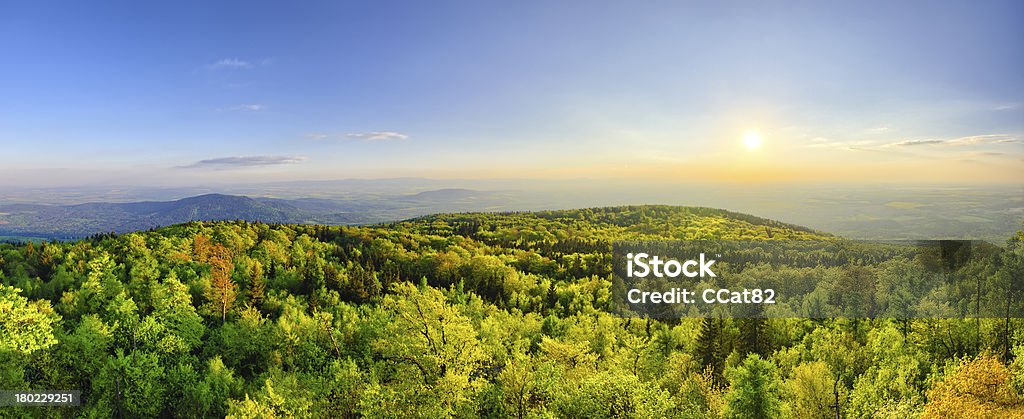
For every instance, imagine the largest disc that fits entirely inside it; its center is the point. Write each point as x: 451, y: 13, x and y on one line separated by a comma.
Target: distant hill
x: 447, y: 194
x: 34, y: 222
x: 73, y: 221
x: 625, y: 221
x: 65, y: 221
x: 210, y: 207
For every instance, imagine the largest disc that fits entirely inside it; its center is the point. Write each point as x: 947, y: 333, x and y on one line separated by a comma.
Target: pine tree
x: 753, y: 390
x: 754, y: 336
x: 709, y: 346
x: 257, y: 288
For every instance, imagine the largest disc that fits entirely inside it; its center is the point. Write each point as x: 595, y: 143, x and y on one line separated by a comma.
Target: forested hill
x: 81, y: 220
x: 619, y: 223
x: 469, y: 315
x: 62, y: 221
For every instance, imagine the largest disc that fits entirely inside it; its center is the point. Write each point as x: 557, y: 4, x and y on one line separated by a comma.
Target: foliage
x: 25, y: 327
x: 754, y: 390
x: 495, y: 315
x: 975, y: 388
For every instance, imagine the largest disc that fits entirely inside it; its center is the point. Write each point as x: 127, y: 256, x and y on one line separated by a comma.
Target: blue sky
x: 196, y: 92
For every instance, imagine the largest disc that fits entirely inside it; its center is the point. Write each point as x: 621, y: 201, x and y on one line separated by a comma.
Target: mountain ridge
x: 81, y: 220
x: 70, y: 221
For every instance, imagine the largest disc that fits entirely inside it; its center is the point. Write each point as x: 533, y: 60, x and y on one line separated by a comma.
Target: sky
x: 181, y: 93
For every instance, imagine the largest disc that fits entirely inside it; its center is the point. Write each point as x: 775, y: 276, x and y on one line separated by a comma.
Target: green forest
x: 474, y: 315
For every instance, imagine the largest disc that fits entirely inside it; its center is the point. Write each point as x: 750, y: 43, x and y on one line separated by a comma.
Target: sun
x: 752, y: 140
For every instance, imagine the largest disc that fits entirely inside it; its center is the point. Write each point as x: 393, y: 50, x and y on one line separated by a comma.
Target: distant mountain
x: 73, y: 221
x: 449, y: 194
x: 66, y: 221
x: 877, y: 213
x: 210, y: 207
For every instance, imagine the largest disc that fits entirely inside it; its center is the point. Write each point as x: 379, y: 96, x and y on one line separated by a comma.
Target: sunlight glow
x: 752, y: 140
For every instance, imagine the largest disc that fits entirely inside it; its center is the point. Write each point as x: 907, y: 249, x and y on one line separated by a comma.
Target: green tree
x: 810, y: 392
x: 212, y: 392
x: 612, y: 394
x: 282, y: 396
x: 438, y: 342
x: 709, y: 348
x: 25, y: 326
x: 753, y: 389
x: 129, y: 385
x: 890, y: 387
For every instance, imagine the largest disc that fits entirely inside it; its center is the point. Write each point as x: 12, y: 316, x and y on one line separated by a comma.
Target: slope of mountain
x: 883, y: 214
x: 57, y: 221
x: 447, y: 194
x: 72, y: 221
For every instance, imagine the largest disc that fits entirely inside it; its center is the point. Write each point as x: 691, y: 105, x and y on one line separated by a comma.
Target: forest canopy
x: 482, y: 314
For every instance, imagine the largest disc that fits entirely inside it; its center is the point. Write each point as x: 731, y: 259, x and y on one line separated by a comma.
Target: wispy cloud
x: 985, y: 139
x: 910, y: 143
x: 981, y: 146
x: 874, y: 150
x: 377, y: 136
x: 230, y: 63
x: 371, y: 136
x: 824, y: 142
x: 243, y: 161
x: 250, y: 107
x: 960, y: 141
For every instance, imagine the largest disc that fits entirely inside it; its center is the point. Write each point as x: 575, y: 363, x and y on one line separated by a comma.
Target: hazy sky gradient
x: 195, y: 92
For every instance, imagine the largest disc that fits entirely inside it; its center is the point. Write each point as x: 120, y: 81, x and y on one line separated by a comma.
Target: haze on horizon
x: 185, y: 93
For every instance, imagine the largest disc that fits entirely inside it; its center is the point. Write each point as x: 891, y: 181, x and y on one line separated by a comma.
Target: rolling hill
x: 74, y: 221
x: 68, y: 221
